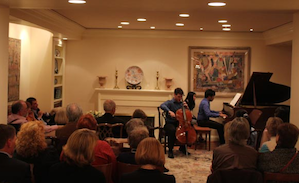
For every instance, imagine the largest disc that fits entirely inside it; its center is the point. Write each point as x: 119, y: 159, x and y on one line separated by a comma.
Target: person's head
x: 283, y: 112
x: 33, y: 102
x: 132, y: 124
x: 238, y: 131
x: 60, y: 116
x: 109, y: 106
x: 73, y: 112
x: 137, y: 135
x: 287, y: 135
x: 19, y: 108
x: 178, y: 94
x: 79, y: 149
x: 7, y: 138
x: 87, y: 121
x: 190, y: 100
x: 243, y: 113
x: 272, y: 125
x: 138, y: 113
x: 150, y: 151
x: 31, y: 139
x: 210, y: 94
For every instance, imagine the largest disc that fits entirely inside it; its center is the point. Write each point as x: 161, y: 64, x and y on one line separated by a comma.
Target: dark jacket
x: 13, y: 170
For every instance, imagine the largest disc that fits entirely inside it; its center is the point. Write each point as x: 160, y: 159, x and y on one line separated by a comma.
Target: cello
x: 185, y: 133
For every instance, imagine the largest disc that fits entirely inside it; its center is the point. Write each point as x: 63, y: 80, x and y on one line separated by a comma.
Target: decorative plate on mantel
x: 134, y: 75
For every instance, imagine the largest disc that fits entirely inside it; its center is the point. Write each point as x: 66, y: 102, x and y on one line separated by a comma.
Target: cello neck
x: 184, y: 111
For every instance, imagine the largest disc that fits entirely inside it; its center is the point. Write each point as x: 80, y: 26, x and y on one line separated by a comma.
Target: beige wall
x: 101, y: 52
x: 36, y: 63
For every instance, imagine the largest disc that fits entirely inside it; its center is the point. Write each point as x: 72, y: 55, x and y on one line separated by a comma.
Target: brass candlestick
x: 116, y: 76
x: 157, y: 86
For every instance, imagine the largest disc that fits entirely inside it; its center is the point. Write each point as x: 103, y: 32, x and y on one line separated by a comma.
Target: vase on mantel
x: 168, y: 83
x: 102, y: 81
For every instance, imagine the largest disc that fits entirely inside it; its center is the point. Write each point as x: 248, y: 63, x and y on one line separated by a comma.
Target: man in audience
x: 135, y: 136
x: 170, y: 107
x: 18, y: 117
x: 73, y: 112
x: 11, y: 170
x: 108, y: 117
x: 284, y: 157
x: 204, y: 113
x: 38, y: 114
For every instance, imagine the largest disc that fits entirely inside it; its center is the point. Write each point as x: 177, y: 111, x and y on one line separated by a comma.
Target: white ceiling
x: 261, y: 15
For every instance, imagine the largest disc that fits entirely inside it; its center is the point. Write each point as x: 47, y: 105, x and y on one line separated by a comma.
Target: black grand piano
x: 260, y: 94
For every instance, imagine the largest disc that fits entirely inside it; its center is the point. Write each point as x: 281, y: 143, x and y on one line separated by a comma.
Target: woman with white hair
x: 236, y: 154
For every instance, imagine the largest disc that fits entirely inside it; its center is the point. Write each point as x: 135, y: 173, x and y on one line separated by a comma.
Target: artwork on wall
x: 225, y: 70
x: 14, y: 56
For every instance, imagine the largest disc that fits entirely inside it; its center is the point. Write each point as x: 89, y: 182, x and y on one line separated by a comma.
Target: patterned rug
x: 192, y: 169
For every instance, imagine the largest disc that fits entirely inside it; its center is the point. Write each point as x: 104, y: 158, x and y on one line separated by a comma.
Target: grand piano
x: 260, y: 94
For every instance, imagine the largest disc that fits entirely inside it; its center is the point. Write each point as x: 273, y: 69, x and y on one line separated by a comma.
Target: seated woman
x: 135, y: 137
x: 190, y: 100
x: 58, y: 116
x: 284, y: 153
x: 79, y: 154
x: 150, y: 155
x: 140, y: 114
x: 236, y: 154
x: 31, y: 147
x: 271, y: 126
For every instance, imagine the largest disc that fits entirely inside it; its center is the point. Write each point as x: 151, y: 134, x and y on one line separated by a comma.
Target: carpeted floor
x: 192, y: 169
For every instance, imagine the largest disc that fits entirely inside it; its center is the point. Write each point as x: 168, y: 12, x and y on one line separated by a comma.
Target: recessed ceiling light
x: 222, y: 21
x: 179, y: 24
x: 226, y: 25
x: 184, y: 15
x: 216, y: 4
x: 226, y: 29
x: 153, y: 27
x: 141, y: 20
x: 64, y: 38
x: 201, y: 28
x: 77, y: 1
x: 251, y: 30
x: 119, y: 26
x: 124, y: 23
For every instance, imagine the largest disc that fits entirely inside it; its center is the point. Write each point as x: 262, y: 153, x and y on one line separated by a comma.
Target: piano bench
x: 202, y: 130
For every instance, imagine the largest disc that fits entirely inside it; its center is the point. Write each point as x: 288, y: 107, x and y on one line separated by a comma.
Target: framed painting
x: 14, y: 56
x: 225, y: 70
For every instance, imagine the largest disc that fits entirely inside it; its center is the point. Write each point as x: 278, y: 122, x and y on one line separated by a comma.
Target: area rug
x: 192, y: 169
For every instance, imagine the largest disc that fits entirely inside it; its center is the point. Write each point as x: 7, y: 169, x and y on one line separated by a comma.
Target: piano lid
x: 267, y: 93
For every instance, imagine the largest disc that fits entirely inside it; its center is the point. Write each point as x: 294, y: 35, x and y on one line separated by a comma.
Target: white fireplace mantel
x: 133, y: 98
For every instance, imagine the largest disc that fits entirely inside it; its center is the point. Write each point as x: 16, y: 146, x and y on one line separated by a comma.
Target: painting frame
x: 224, y: 69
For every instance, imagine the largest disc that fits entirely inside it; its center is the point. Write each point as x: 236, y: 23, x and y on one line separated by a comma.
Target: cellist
x: 170, y: 107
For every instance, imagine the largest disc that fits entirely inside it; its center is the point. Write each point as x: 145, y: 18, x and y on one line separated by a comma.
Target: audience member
x: 30, y: 115
x: 138, y: 113
x: 135, y: 137
x: 11, y: 170
x: 132, y: 124
x: 252, y: 140
x: 31, y: 147
x: 108, y: 117
x: 73, y: 113
x: 150, y: 155
x: 102, y: 151
x: 283, y: 158
x: 271, y: 126
x: 79, y: 154
x: 19, y: 112
x: 59, y: 116
x: 38, y: 114
x: 235, y: 154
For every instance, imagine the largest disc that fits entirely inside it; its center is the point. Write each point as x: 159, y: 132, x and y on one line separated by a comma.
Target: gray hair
x: 73, y: 112
x: 109, y: 105
x: 137, y: 135
x: 238, y: 131
x: 132, y: 124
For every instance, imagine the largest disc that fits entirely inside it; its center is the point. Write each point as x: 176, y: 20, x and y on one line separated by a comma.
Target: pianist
x: 204, y: 113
